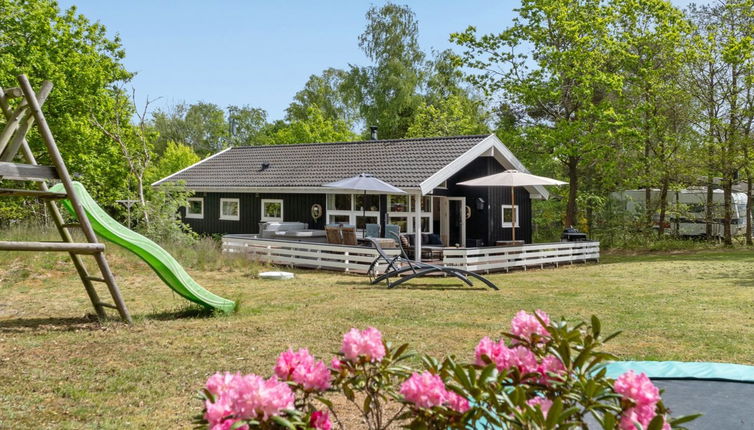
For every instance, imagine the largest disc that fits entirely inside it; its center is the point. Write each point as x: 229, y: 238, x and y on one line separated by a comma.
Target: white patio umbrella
x: 365, y: 182
x: 513, y: 179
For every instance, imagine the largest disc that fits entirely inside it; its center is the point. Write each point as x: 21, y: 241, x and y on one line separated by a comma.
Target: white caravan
x: 690, y: 205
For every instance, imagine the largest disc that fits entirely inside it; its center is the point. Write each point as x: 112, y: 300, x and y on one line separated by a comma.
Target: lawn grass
x: 60, y: 370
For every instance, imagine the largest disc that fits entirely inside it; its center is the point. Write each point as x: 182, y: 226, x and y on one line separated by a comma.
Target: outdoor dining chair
x: 333, y: 235
x: 373, y: 230
x: 349, y: 235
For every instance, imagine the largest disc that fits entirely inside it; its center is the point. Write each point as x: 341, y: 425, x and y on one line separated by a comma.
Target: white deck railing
x: 491, y: 259
x: 304, y: 254
x: 358, y: 258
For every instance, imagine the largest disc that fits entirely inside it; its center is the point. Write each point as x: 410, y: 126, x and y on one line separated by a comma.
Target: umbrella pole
x: 513, y: 213
x: 364, y: 215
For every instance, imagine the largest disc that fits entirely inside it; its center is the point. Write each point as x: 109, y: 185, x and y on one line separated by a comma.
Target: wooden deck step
x: 32, y: 193
x: 76, y: 248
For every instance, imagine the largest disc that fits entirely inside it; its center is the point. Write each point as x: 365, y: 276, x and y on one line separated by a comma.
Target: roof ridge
x: 356, y: 142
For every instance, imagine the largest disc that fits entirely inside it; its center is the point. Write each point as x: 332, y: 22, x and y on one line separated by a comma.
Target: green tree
x: 245, y: 125
x: 207, y: 130
x: 327, y: 92
x: 43, y: 42
x: 652, y: 37
x: 722, y: 81
x: 175, y: 157
x: 449, y: 117
x: 553, y: 66
x: 388, y: 91
x: 315, y: 128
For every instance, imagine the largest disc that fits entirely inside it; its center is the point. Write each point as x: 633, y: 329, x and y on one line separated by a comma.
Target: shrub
x: 542, y: 374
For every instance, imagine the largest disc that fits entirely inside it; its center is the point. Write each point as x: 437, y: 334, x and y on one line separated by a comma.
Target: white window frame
x: 409, y: 214
x: 351, y: 214
x: 282, y: 210
x: 503, y: 223
x: 230, y: 217
x: 199, y: 215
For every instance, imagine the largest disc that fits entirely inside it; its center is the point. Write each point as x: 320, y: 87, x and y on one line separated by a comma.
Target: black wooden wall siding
x: 485, y: 224
x: 296, y: 207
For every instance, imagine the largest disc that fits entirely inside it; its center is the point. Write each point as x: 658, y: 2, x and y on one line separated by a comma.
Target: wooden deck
x: 356, y: 259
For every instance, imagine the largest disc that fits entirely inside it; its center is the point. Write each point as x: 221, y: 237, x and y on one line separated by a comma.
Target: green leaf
x: 283, y: 422
x: 684, y: 419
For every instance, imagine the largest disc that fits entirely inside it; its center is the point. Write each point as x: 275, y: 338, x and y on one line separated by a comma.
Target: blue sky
x: 260, y: 53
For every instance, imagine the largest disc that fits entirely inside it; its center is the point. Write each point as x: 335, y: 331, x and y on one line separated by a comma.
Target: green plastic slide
x: 163, y: 264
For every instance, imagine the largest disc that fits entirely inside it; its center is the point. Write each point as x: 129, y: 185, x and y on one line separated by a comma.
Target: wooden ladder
x: 12, y: 141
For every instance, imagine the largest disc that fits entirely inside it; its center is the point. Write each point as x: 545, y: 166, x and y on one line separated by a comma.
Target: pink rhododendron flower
x: 335, y: 363
x: 367, y: 343
x: 302, y: 368
x: 525, y: 325
x: 638, y: 415
x: 227, y: 425
x: 643, y: 394
x: 524, y: 359
x: 313, y: 376
x: 221, y: 383
x: 255, y: 397
x: 550, y: 365
x: 320, y: 420
x: 457, y: 403
x: 544, y: 403
x: 288, y: 361
x: 637, y: 388
x: 487, y: 347
x: 425, y: 390
x: 506, y: 358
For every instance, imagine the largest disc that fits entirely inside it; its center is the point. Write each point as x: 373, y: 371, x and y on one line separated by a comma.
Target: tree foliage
x: 388, y: 91
x: 45, y: 43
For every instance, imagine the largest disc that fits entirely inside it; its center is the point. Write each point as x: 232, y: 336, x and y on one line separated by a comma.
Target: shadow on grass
x: 22, y: 325
x: 189, y: 312
x: 414, y: 286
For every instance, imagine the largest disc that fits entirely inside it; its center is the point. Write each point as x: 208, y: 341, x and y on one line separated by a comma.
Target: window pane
x: 229, y: 208
x: 401, y: 222
x: 195, y: 206
x: 340, y: 219
x: 425, y: 224
x: 273, y: 210
x: 360, y: 221
x: 372, y: 202
x: 427, y: 204
x: 398, y: 204
x: 508, y: 214
x: 342, y: 202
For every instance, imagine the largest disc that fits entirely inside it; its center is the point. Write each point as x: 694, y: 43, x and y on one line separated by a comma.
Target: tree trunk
x: 571, y: 215
x: 727, y: 200
x: 749, y: 185
x: 709, y: 209
x: 142, y: 200
x: 663, y: 205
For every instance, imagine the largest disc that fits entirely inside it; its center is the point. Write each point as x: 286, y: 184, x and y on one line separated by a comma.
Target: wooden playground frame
x: 19, y: 120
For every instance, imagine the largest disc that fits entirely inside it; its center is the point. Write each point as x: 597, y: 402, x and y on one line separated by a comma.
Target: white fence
x: 357, y: 259
x: 491, y: 259
x: 305, y: 254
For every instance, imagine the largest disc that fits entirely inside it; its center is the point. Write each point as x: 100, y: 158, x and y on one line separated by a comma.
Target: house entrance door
x: 453, y: 220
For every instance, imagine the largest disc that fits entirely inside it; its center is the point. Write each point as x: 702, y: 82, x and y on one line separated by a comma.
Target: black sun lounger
x: 402, y: 268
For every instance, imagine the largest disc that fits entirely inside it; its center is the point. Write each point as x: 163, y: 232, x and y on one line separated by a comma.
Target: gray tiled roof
x: 403, y: 163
